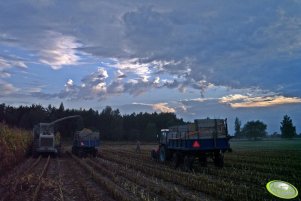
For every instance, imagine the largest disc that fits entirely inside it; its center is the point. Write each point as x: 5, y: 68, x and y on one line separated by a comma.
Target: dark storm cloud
x: 235, y: 44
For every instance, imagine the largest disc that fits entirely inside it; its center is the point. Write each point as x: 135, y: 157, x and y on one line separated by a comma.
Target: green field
x: 267, y: 144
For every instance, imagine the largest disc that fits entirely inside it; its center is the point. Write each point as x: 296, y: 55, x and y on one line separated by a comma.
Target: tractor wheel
x: 175, y: 160
x: 188, y: 162
x: 218, y: 159
x: 163, y: 154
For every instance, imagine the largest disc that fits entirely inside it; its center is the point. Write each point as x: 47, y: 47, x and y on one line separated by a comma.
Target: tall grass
x: 14, y: 144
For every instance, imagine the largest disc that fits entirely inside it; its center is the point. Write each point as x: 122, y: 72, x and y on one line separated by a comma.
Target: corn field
x: 14, y: 144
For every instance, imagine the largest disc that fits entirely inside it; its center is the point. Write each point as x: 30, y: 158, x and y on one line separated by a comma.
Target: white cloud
x: 163, y: 107
x: 58, y: 50
x: 160, y: 107
x: 233, y: 97
x: 70, y: 82
x: 132, y: 65
x: 157, y: 80
x: 20, y: 64
x: 100, y: 87
x: 69, y: 85
x: 245, y: 101
x: 4, y: 74
x: 10, y: 62
x: 120, y: 74
x: 103, y: 73
x: 7, y: 88
x: 200, y: 99
x: 95, y: 78
x: 4, y: 63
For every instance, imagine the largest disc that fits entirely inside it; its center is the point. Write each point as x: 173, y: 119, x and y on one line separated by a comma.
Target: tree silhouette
x: 288, y: 130
x: 237, y: 127
x: 109, y: 122
x: 254, y: 129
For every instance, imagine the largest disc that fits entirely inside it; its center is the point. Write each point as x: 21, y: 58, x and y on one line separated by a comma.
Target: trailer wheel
x: 218, y: 159
x: 188, y: 162
x: 203, y: 160
x: 175, y: 160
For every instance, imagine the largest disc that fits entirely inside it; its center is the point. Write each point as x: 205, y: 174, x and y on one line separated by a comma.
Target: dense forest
x: 110, y: 123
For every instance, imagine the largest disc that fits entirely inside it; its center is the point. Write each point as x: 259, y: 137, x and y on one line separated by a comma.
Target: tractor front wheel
x: 162, y: 154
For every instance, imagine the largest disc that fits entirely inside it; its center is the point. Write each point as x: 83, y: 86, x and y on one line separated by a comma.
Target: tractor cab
x: 163, y: 136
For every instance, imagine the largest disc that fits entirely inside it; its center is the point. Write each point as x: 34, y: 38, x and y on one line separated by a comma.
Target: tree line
x: 257, y: 129
x: 114, y: 126
x: 109, y: 122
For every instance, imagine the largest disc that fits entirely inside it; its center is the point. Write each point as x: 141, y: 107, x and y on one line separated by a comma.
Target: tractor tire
x: 164, y: 154
x: 218, y: 159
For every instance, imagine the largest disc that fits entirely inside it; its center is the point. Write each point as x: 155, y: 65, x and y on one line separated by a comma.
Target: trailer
x: 195, y: 142
x: 85, y: 143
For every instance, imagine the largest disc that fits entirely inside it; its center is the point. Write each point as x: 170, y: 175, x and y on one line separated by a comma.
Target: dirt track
x: 71, y: 178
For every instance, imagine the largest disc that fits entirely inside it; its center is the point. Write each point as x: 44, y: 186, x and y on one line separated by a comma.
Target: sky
x: 198, y: 59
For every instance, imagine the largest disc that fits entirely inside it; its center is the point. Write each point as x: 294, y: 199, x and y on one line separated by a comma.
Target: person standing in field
x: 138, y: 147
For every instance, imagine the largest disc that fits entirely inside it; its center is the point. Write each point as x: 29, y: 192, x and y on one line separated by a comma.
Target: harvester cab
x: 45, y: 140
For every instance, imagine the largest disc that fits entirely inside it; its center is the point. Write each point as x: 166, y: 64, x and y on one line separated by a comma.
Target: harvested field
x: 119, y: 173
